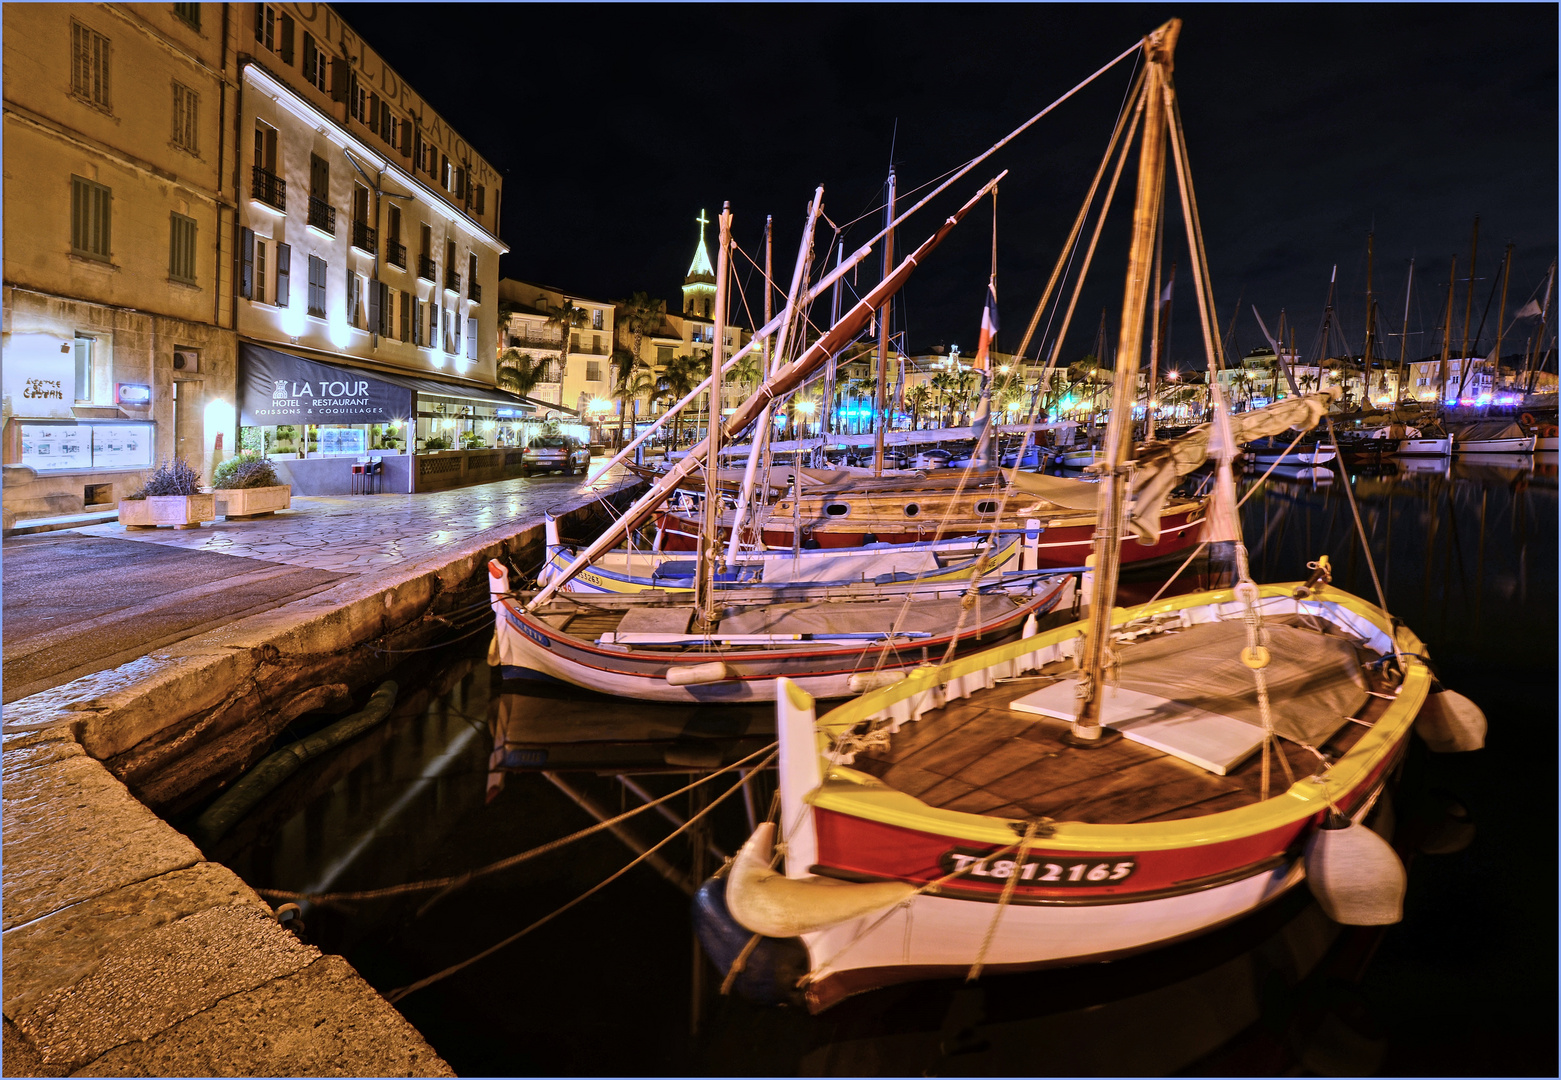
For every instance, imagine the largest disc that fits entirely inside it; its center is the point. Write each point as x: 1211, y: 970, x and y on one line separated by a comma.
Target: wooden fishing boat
x: 1424, y: 447
x: 1310, y: 453
x: 1108, y: 786
x: 651, y: 652
x: 1492, y: 437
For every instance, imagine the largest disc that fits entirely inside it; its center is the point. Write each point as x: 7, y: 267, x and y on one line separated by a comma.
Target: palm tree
x: 680, y: 375
x: 621, y: 363
x: 567, y: 318
x: 639, y: 381
x: 640, y: 315
x: 917, y: 399
x: 746, y: 371
x: 518, y: 372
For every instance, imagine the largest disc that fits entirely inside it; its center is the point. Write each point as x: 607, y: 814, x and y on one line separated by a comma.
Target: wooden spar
x: 827, y: 420
x: 1501, y: 312
x: 761, y: 435
x: 783, y: 382
x: 1538, y: 363
x: 709, y: 534
x: 1447, y: 337
x: 1371, y: 322
x: 1403, y: 338
x: 1468, y: 310
x: 1159, y: 50
x: 880, y: 416
x: 1154, y: 333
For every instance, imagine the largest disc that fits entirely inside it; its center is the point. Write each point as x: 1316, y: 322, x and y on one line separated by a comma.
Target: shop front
x: 316, y: 420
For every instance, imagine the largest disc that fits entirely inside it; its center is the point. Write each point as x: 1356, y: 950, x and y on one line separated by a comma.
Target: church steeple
x: 699, y: 284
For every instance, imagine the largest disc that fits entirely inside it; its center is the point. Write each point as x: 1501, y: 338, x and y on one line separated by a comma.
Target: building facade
x: 117, y: 337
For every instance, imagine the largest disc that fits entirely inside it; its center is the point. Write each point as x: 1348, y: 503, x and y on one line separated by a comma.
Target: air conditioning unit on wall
x: 186, y: 360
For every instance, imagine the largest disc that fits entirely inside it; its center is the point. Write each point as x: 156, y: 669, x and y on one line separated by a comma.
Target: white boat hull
x: 1424, y: 446
x: 1522, y: 445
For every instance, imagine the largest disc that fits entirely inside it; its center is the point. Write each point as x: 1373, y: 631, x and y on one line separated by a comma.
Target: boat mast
x: 1322, y: 354
x: 1447, y: 337
x: 1403, y: 337
x: 709, y: 536
x: 1155, y: 328
x: 1468, y: 310
x: 1539, y: 340
x: 828, y: 419
x: 1159, y: 48
x: 883, y: 332
x: 1501, y: 312
x: 1371, y: 321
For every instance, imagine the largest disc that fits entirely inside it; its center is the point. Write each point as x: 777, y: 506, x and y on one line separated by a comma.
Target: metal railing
x: 322, y: 215
x: 474, y: 292
x: 533, y: 337
x: 396, y: 253
x: 269, y: 188
x: 452, y: 280
x: 425, y: 268
x: 364, y: 236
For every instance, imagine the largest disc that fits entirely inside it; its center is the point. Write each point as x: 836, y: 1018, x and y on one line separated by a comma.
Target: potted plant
x: 436, y: 442
x: 170, y: 496
x: 247, y: 486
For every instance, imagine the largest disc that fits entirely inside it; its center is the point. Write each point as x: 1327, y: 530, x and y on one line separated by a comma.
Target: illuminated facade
x: 367, y: 235
x: 118, y: 343
x: 536, y: 323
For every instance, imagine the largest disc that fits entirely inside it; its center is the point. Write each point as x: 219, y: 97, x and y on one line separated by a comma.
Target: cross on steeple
x: 703, y: 221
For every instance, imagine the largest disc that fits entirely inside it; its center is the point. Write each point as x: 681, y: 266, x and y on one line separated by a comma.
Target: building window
x: 90, y: 213
x: 259, y: 295
x: 354, y: 300
x: 85, y: 346
x: 359, y: 101
x: 274, y: 30
x: 663, y: 354
x: 481, y: 198
x: 316, y: 65
x: 593, y: 371
x: 316, y: 286
x: 596, y: 319
x: 181, y: 249
x: 185, y: 135
x: 471, y: 339
x: 190, y: 13
x: 89, y: 65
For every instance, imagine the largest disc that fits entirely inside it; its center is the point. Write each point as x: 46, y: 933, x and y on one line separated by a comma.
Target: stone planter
x: 252, y: 502
x: 180, y: 511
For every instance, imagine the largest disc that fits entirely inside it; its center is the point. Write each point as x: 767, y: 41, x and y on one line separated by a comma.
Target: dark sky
x: 1307, y: 127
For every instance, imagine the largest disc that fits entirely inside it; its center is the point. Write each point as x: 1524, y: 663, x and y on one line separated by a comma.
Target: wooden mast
x: 709, y: 535
x: 1403, y: 337
x: 1159, y: 49
x: 1468, y: 310
x: 1447, y: 337
x: 1371, y: 323
x: 1501, y: 312
x: 880, y: 417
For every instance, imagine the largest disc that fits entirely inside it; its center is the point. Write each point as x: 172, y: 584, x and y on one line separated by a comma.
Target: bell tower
x: 699, y: 284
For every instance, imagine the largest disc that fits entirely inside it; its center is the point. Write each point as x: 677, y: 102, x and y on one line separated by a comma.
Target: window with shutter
x: 406, y: 316
x: 373, y: 118
x: 260, y: 270
x: 286, y: 39
x: 341, y: 80
x: 181, y: 248
x: 246, y: 276
x: 265, y: 26
x: 284, y: 274
x: 190, y: 13
x: 374, y: 308
x: 89, y: 65
x: 471, y: 339
x: 185, y: 131
x: 481, y: 193
x: 354, y: 300
x: 90, y: 209
x: 319, y: 178
x: 316, y: 287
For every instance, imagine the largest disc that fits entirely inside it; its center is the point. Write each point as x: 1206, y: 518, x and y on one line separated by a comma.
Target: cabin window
x: 837, y: 509
x: 912, y: 509
x: 986, y: 506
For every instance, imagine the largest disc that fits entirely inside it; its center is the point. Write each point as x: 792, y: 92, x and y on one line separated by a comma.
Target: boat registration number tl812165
x: 1039, y: 871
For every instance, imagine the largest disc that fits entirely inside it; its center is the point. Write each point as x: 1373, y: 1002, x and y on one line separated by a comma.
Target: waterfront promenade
x: 127, y: 952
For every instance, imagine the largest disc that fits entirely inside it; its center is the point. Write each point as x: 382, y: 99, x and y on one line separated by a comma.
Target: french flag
x: 988, y: 326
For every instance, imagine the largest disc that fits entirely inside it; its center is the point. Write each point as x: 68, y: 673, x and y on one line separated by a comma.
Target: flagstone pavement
x: 360, y: 534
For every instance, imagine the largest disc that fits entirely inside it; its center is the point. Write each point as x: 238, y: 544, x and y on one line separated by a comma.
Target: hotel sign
x: 279, y: 388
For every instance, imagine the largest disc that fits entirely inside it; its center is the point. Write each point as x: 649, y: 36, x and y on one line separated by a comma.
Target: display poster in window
x: 121, y: 446
x: 37, y: 378
x: 52, y: 447
x: 342, y: 440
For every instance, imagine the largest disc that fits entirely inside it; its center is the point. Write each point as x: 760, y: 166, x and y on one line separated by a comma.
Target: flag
x: 1528, y: 310
x: 983, y: 367
x: 988, y: 327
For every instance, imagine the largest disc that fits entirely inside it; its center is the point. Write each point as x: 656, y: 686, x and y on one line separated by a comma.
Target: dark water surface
x: 1465, y: 985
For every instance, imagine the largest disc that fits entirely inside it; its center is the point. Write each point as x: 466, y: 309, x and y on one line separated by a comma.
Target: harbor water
x: 605, y: 979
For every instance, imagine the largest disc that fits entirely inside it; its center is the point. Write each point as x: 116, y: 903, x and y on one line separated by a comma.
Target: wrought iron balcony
x: 425, y: 268
x: 322, y: 215
x: 474, y: 292
x: 270, y: 189
x: 364, y: 237
x: 396, y: 254
x: 452, y: 280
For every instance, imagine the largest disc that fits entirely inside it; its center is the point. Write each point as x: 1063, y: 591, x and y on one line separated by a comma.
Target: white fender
x: 1450, y: 723
x: 863, y: 681
x: 1356, y: 876
x: 769, y: 903
x: 695, y: 674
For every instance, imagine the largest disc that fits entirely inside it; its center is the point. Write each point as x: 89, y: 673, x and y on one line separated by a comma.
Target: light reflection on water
x: 1465, y: 985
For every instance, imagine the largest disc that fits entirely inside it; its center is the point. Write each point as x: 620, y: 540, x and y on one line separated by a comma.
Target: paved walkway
x: 358, y: 534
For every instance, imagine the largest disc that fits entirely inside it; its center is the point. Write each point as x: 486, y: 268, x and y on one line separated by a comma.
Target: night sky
x: 1307, y: 128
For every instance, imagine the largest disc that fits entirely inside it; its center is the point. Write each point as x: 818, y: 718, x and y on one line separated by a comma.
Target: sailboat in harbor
x: 1103, y: 787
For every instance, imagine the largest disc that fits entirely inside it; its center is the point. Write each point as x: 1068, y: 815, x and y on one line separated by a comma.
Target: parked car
x: 555, y: 453
x: 932, y: 459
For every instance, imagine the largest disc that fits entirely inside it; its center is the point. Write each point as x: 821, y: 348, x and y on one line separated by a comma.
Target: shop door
x: 187, y: 427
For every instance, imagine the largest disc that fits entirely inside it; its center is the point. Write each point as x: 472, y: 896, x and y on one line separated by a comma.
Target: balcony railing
x: 452, y: 280
x: 396, y: 253
x: 425, y: 268
x: 322, y: 215
x: 270, y: 189
x: 364, y: 236
x: 519, y: 338
x: 474, y: 292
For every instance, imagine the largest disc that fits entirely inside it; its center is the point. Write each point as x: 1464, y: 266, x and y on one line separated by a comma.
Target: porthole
x: 986, y: 507
x: 912, y: 509
x: 837, y: 509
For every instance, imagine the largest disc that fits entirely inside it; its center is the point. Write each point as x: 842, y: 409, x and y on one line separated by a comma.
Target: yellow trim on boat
x: 850, y: 791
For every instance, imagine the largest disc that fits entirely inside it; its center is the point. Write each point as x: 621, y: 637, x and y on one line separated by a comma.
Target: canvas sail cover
x: 1160, y: 464
x: 1487, y: 429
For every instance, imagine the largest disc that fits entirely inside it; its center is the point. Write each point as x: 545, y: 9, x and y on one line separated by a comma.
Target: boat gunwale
x: 856, y: 793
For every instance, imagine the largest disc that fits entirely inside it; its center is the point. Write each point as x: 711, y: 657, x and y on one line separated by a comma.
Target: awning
x: 280, y: 388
